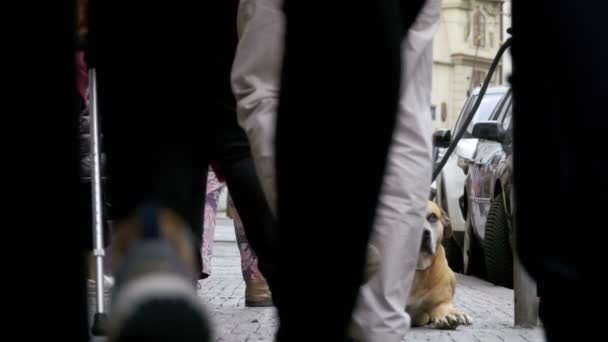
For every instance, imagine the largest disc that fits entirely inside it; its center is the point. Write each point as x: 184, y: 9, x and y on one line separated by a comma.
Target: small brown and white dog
x: 432, y: 295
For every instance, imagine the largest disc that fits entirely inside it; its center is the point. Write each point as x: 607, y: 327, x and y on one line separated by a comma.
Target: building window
x: 478, y: 77
x: 479, y: 29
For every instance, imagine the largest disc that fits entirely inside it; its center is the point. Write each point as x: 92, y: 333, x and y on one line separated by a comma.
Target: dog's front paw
x: 451, y: 321
x: 448, y: 322
x: 463, y: 319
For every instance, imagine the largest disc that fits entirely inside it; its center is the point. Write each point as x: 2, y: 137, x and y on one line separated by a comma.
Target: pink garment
x: 249, y: 261
x: 82, y: 77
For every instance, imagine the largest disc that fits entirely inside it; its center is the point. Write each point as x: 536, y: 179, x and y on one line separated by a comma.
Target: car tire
x: 497, y: 249
x: 453, y: 254
x: 474, y: 264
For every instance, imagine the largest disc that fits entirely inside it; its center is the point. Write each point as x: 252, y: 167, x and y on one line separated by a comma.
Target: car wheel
x: 474, y: 263
x: 498, y: 252
x: 453, y: 253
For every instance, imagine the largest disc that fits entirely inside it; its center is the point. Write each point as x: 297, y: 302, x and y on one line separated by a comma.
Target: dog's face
x: 436, y: 225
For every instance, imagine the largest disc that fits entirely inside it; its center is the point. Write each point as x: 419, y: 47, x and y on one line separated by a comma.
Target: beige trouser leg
x: 255, y: 83
x: 380, y: 314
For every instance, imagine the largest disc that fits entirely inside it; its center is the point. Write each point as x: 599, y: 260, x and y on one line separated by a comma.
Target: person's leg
x: 237, y: 167
x: 155, y: 252
x: 249, y: 260
x: 255, y: 82
x: 334, y: 128
x: 44, y: 241
x: 257, y: 292
x: 558, y: 152
x: 152, y: 129
x: 214, y: 190
x: 380, y: 313
x: 152, y: 80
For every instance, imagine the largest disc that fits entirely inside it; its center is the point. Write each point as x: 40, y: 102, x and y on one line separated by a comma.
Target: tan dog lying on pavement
x: 432, y: 294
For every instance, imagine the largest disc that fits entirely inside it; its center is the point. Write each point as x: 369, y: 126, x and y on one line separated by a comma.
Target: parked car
x: 489, y: 198
x: 448, y: 190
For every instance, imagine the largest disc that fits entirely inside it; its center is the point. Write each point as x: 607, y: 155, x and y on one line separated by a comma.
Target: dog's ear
x: 445, y: 221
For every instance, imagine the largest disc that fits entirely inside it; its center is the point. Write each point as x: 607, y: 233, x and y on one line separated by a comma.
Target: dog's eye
x: 432, y: 218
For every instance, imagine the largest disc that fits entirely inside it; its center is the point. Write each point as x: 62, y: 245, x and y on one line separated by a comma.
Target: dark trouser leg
x: 255, y: 214
x: 156, y: 90
x: 43, y: 239
x: 559, y: 88
x: 235, y: 160
x: 156, y: 93
x: 334, y: 128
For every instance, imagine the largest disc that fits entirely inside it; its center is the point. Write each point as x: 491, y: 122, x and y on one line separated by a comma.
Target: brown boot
x: 257, y: 293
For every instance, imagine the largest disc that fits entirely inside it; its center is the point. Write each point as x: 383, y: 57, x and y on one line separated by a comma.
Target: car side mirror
x: 442, y: 138
x: 489, y: 130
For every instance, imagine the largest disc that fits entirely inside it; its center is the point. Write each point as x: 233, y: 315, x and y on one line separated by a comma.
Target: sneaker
x: 154, y: 298
x: 257, y: 293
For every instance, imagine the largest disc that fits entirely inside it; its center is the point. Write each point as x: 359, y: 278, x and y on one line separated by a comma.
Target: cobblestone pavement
x: 491, y: 307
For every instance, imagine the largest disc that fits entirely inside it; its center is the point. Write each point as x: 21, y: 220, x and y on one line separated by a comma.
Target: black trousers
x: 232, y: 154
x: 168, y: 111
x: 156, y: 104
x: 42, y: 182
x: 560, y: 91
x: 162, y: 97
x: 338, y: 103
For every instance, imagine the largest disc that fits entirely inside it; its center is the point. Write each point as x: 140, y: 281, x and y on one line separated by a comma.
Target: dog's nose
x: 426, y: 235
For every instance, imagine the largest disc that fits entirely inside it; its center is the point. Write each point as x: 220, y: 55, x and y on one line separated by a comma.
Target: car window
x: 467, y: 106
x: 506, y: 122
x: 499, y: 112
x: 487, y: 106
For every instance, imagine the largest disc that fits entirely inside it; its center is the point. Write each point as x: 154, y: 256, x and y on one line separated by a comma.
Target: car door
x: 503, y: 172
x: 486, y: 159
x: 507, y: 124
